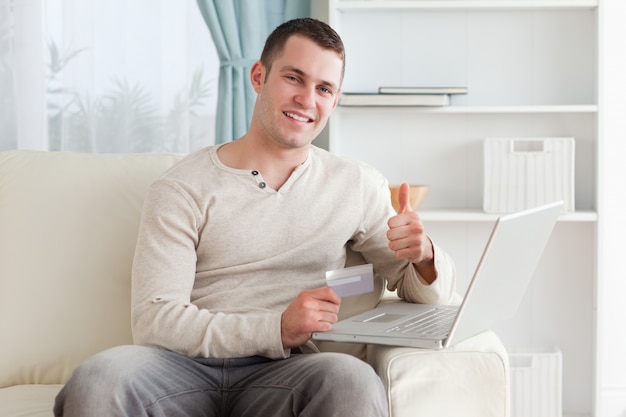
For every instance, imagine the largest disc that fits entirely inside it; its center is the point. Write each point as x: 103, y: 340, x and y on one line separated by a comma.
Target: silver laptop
x: 493, y: 295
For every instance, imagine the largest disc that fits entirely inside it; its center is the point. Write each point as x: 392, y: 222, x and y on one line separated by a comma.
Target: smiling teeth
x: 296, y: 117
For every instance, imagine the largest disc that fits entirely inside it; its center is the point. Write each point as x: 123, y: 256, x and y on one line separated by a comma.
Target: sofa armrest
x: 470, y: 379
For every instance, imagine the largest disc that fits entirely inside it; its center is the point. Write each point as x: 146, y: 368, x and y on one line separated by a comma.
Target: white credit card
x: 352, y: 280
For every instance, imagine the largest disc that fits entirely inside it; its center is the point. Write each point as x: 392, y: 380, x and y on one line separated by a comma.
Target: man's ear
x: 257, y: 76
x: 337, y: 99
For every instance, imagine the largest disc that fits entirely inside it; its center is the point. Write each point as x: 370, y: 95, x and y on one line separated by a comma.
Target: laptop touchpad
x: 383, y: 318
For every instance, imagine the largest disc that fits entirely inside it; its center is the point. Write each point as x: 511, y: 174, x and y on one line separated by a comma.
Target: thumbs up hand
x: 408, y: 239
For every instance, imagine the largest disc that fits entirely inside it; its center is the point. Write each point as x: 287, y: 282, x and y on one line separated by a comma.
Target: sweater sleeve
x: 163, y: 275
x: 414, y: 289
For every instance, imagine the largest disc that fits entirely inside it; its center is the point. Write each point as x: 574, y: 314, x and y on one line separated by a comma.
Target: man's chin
x: 298, y: 142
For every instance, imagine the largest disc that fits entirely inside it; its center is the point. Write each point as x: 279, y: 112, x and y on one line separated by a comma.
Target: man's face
x: 298, y: 94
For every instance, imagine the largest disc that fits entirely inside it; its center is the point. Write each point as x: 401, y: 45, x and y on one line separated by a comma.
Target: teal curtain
x: 239, y: 29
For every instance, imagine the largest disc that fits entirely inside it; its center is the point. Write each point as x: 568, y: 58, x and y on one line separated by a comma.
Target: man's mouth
x: 297, y: 117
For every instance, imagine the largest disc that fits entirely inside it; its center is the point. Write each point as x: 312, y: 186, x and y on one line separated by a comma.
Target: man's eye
x: 325, y: 90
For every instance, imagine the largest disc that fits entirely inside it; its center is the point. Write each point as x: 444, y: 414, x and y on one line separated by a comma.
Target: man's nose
x: 306, y: 97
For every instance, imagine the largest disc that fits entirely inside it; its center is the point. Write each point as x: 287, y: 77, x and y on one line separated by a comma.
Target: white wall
x: 611, y: 331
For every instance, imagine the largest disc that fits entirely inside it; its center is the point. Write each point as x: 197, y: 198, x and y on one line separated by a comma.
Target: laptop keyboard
x: 435, y: 322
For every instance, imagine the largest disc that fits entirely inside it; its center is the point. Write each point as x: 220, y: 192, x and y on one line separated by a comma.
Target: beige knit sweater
x: 219, y: 256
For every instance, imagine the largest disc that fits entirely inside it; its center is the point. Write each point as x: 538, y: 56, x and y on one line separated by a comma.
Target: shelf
x: 481, y: 216
x: 531, y: 69
x: 464, y: 4
x: 590, y: 108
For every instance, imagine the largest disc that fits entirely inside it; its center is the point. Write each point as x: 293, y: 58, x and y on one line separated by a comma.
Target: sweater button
x: 262, y: 184
x: 255, y: 172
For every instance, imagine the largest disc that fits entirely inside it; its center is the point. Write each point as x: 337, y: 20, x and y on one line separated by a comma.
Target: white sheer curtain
x: 106, y: 76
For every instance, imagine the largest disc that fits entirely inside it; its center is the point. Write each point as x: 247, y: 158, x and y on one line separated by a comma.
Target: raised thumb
x: 404, y: 201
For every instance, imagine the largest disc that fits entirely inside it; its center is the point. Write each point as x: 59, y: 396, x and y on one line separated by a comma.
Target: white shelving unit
x: 531, y: 69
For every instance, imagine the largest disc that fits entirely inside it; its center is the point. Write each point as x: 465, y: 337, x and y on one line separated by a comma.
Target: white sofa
x: 68, y: 223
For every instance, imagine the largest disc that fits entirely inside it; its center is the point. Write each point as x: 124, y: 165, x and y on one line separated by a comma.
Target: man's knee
x: 110, y: 366
x: 99, y: 379
x: 344, y: 379
x: 346, y: 368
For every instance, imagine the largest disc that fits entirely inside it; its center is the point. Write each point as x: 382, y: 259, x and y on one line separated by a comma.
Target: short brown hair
x: 317, y: 31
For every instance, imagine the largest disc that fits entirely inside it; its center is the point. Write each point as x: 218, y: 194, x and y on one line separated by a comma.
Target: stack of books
x: 402, y: 96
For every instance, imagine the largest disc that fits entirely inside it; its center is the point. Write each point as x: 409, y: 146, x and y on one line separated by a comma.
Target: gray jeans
x: 136, y: 381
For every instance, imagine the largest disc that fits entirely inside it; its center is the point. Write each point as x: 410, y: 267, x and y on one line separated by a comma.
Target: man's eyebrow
x: 291, y: 68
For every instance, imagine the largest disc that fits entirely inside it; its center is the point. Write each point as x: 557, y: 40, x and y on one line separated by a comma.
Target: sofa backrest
x: 68, y: 225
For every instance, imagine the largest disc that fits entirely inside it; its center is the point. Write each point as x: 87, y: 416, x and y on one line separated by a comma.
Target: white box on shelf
x: 521, y: 173
x: 536, y: 382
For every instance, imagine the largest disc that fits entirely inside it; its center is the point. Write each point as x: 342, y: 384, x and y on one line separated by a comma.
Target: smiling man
x: 229, y: 269
x: 297, y: 87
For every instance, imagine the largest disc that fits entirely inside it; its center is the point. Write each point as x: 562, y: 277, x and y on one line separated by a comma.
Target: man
x: 229, y: 269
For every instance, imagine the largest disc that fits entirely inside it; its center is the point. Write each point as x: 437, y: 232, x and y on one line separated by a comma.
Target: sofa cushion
x: 68, y: 225
x: 28, y: 400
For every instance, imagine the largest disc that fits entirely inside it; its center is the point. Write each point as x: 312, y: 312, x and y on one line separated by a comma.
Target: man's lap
x: 167, y: 382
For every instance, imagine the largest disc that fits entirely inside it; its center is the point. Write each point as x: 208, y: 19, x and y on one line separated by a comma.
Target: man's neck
x: 276, y: 164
